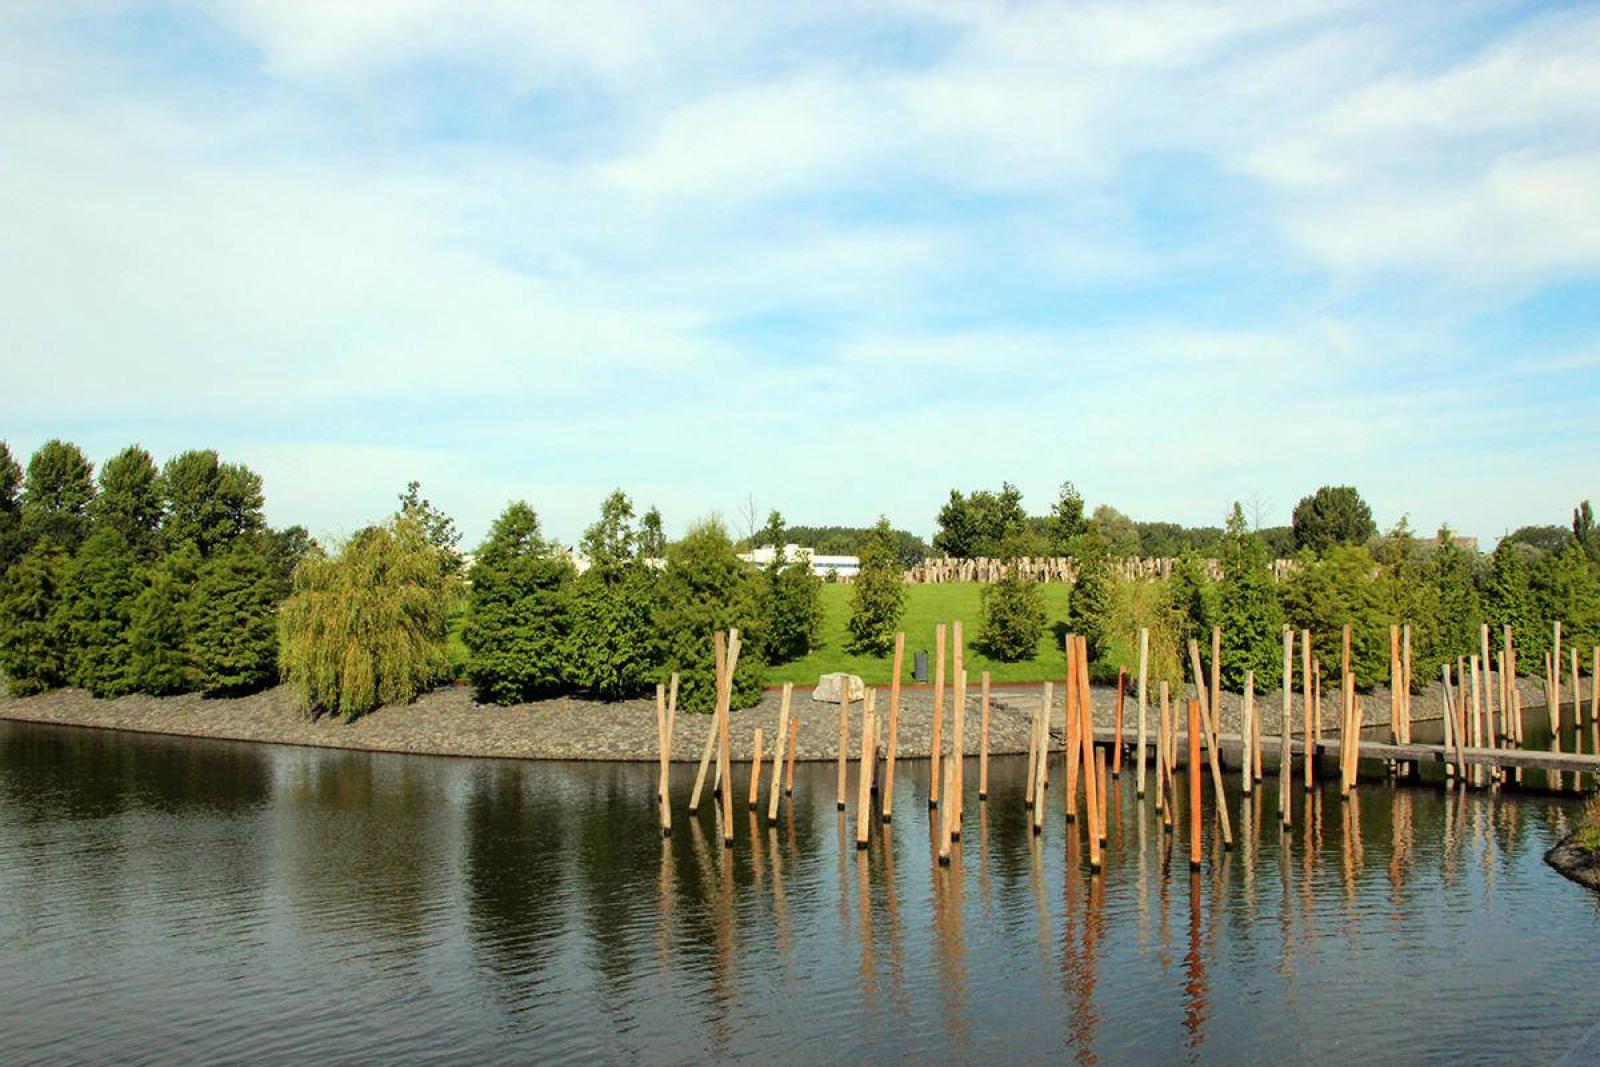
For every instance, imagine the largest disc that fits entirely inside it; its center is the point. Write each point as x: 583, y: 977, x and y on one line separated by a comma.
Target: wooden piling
x: 1161, y: 749
x: 794, y: 747
x: 1100, y: 789
x: 1043, y: 745
x: 1247, y: 732
x: 958, y: 751
x: 1555, y: 681
x: 1394, y: 683
x: 1193, y: 772
x: 705, y: 763
x: 1477, y: 720
x: 1306, y: 680
x: 1116, y: 751
x: 844, y: 739
x: 1070, y: 723
x: 1144, y: 677
x: 894, y: 726
x: 1285, y: 754
x: 1452, y: 734
x: 983, y: 745
x: 937, y: 750
x: 730, y: 667
x: 864, y: 769
x: 1577, y: 691
x: 664, y: 742
x: 755, y: 772
x: 1086, y: 733
x: 1033, y: 759
x: 778, y: 753
x: 1491, y: 729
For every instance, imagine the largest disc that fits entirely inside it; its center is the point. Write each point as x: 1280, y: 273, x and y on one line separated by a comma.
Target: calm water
x: 167, y: 900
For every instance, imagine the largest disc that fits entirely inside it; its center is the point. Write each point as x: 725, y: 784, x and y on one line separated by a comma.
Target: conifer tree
x: 1013, y: 611
x: 99, y: 588
x: 1337, y: 588
x: 35, y: 641
x: 56, y: 495
x: 158, y: 628
x: 518, y: 612
x: 12, y: 544
x: 613, y: 649
x: 707, y: 588
x: 233, y: 632
x: 879, y: 594
x: 791, y: 599
x: 1248, y: 610
x: 129, y: 500
x: 1508, y: 601
x: 1089, y: 604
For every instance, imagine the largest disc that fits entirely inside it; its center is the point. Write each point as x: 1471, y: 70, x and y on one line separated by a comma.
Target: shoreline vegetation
x: 1577, y: 856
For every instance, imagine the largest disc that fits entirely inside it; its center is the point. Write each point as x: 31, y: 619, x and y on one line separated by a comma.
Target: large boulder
x: 831, y: 686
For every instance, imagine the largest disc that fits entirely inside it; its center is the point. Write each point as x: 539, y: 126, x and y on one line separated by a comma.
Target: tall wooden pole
x: 1028, y: 799
x: 664, y: 738
x: 937, y: 750
x: 1214, y: 709
x: 713, y: 733
x: 1247, y: 732
x: 1193, y: 771
x: 778, y: 754
x: 794, y: 747
x: 1285, y: 755
x: 1043, y: 746
x: 1161, y: 750
x: 1555, y: 679
x: 1144, y: 677
x: 983, y: 745
x: 1488, y: 687
x: 725, y: 729
x: 755, y: 772
x: 1394, y: 683
x: 958, y: 752
x: 894, y: 725
x: 844, y: 739
x: 864, y: 769
x: 1086, y: 734
x: 1071, y: 723
x: 1305, y: 677
x: 1116, y: 751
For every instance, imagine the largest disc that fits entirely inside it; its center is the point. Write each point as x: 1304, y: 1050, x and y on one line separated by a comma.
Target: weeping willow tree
x: 368, y: 626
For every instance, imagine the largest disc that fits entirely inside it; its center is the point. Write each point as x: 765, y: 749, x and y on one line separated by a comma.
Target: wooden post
x: 958, y: 751
x: 1210, y: 728
x: 1285, y: 755
x: 1161, y: 749
x: 778, y: 753
x: 705, y: 762
x: 794, y: 747
x: 937, y: 750
x: 1306, y: 679
x: 1247, y: 729
x: 1086, y: 734
x: 894, y: 725
x: 1394, y: 683
x: 755, y: 772
x: 1405, y: 683
x: 1577, y: 691
x: 1213, y: 709
x: 864, y: 768
x: 844, y: 739
x: 1488, y: 689
x: 1594, y: 689
x: 1116, y: 751
x: 1555, y: 681
x: 731, y: 666
x: 1477, y: 719
x: 1144, y: 676
x: 1070, y: 723
x: 1100, y: 789
x: 1508, y: 686
x: 1452, y: 733
x: 944, y: 826
x: 1043, y: 746
x: 664, y: 740
x: 1193, y: 772
x: 1033, y: 760
x: 983, y: 745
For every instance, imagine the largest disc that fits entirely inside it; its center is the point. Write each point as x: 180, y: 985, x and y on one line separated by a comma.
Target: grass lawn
x: 926, y: 607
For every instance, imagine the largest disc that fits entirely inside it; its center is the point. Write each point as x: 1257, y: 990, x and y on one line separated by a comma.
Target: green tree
x: 519, y: 611
x: 1120, y: 533
x: 368, y: 625
x: 652, y: 536
x: 99, y: 588
x: 1566, y: 587
x: 879, y: 595
x: 791, y: 600
x: 158, y: 627
x: 1452, y: 571
x: 1508, y: 601
x: 1333, y: 515
x: 978, y: 523
x: 1065, y: 523
x: 1248, y: 609
x: 12, y: 544
x: 129, y: 500
x: 56, y: 495
x: 1585, y: 532
x: 440, y: 528
x: 707, y: 588
x: 1192, y: 600
x: 35, y: 641
x: 1013, y: 613
x: 1089, y: 604
x: 614, y: 651
x: 233, y: 631
x: 1326, y: 593
x: 207, y: 503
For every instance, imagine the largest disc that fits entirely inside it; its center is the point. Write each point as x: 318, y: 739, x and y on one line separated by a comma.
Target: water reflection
x: 283, y: 904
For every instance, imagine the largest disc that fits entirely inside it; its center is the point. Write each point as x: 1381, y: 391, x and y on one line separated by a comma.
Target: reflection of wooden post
x: 794, y: 745
x: 844, y: 738
x: 983, y: 749
x: 894, y: 725
x: 1306, y: 679
x: 936, y: 751
x: 944, y: 825
x: 778, y: 753
x: 1144, y: 675
x: 864, y: 768
x: 1116, y: 751
x: 1100, y: 789
x: 1193, y: 772
x: 1285, y: 755
x: 755, y: 772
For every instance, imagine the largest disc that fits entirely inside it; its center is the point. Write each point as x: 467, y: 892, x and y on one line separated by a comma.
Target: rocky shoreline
x: 447, y: 722
x: 1576, y: 862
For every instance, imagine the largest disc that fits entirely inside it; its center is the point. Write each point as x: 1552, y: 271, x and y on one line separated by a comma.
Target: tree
x: 707, y: 588
x: 1089, y: 604
x: 519, y: 611
x: 35, y: 642
x: 1541, y: 538
x: 1192, y: 600
x: 879, y: 594
x: 613, y: 646
x: 1453, y: 573
x: 129, y: 500
x: 958, y: 528
x: 11, y: 542
x: 1326, y: 593
x: 1119, y: 532
x: 367, y: 626
x: 207, y: 503
x: 1333, y: 515
x: 1566, y: 587
x: 439, y: 528
x: 158, y: 627
x: 1248, y: 610
x: 1066, y: 523
x: 233, y: 631
x: 652, y: 537
x: 1585, y: 532
x: 791, y: 600
x: 1508, y: 601
x: 980, y: 522
x: 99, y: 589
x: 56, y: 494
x: 1013, y: 613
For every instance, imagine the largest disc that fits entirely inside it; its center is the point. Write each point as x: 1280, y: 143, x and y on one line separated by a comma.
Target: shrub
x: 1137, y: 604
x: 613, y: 648
x: 35, y: 643
x: 98, y: 594
x: 707, y: 588
x: 879, y: 595
x: 1013, y: 617
x: 367, y: 626
x: 233, y: 633
x: 518, y: 611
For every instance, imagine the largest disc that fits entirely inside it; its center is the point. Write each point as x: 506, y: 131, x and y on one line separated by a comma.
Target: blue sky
x: 837, y: 258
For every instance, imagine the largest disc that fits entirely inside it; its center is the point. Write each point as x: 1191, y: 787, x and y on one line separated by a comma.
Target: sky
x: 830, y: 258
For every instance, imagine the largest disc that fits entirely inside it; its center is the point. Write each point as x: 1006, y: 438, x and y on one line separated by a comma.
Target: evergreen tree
x: 791, y: 600
x: 129, y: 500
x: 1192, y: 600
x: 518, y: 612
x: 12, y: 544
x: 1089, y: 604
x: 879, y: 594
x: 1326, y: 593
x: 1065, y: 523
x: 613, y: 650
x: 158, y: 628
x: 1508, y: 601
x: 99, y: 589
x: 369, y: 625
x: 1013, y: 613
x: 56, y: 495
x: 652, y: 537
x: 1452, y: 571
x: 707, y: 588
x: 1585, y: 532
x: 35, y: 642
x: 233, y: 632
x: 1566, y: 587
x: 206, y: 503
x: 1248, y: 610
x: 1333, y: 515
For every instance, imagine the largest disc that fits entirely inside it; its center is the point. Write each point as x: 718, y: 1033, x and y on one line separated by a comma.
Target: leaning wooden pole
x: 1193, y: 772
x: 778, y: 754
x: 1042, y: 745
x: 1144, y: 677
x: 1086, y: 735
x: 983, y: 745
x: 794, y: 748
x: 726, y: 744
x: 712, y: 734
x: 894, y: 726
x: 936, y: 747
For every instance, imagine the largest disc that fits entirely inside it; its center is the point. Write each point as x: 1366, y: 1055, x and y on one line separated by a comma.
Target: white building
x: 843, y: 566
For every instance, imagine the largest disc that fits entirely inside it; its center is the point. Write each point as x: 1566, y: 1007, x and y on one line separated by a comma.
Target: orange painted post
x: 1116, y: 751
x: 983, y: 749
x: 1100, y: 781
x: 755, y: 772
x: 1070, y: 724
x: 1310, y: 696
x: 844, y: 739
x: 894, y: 726
x: 936, y: 750
x: 778, y: 754
x: 1193, y: 772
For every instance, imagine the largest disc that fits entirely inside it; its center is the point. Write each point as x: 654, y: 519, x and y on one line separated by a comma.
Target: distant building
x: 843, y: 566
